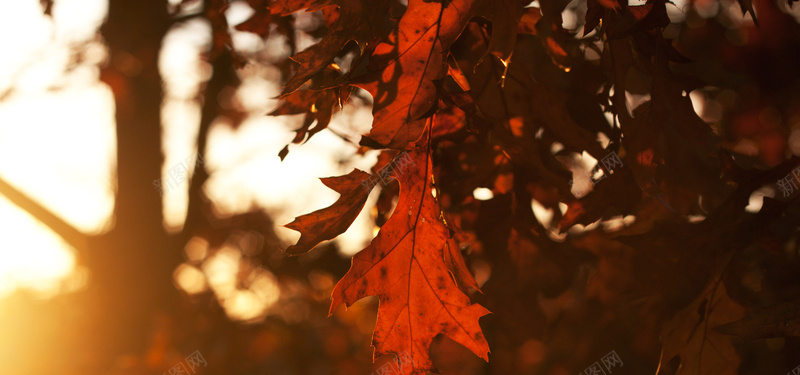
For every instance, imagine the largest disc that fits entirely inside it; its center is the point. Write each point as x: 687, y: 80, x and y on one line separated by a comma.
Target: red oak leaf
x: 506, y: 16
x: 260, y: 21
x: 357, y: 21
x: 286, y: 7
x: 329, y: 222
x: 410, y: 266
x: 401, y: 72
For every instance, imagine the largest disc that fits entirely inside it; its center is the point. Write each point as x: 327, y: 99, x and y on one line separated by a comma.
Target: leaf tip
x: 285, y: 151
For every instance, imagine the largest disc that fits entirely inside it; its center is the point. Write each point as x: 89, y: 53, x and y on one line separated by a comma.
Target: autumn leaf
x: 410, y: 266
x: 632, y: 19
x: 505, y: 16
x: 402, y: 71
x: 260, y: 21
x: 455, y: 263
x: 527, y: 23
x: 287, y: 7
x: 747, y: 7
x: 692, y: 346
x: 449, y: 120
x: 297, y: 103
x: 361, y: 21
x: 329, y: 222
x: 318, y: 107
x: 521, y: 128
x: 773, y: 321
x: 524, y: 97
x: 688, y: 167
x: 594, y: 13
x: 618, y: 188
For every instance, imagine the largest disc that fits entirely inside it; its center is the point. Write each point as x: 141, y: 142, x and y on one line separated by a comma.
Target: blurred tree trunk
x: 113, y: 324
x: 131, y: 266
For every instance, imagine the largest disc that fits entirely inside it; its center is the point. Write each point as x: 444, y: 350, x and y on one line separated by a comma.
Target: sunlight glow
x: 248, y: 302
x: 543, y: 215
x: 63, y: 156
x: 245, y: 171
x: 756, y: 200
x: 190, y: 279
x: 57, y: 141
x: 32, y: 257
x: 482, y: 194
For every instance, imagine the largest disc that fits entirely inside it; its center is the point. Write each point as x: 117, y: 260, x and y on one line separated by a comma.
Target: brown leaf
x: 319, y: 107
x: 287, y: 7
x: 410, y: 267
x: 774, y: 321
x: 449, y: 120
x: 505, y: 17
x: 358, y: 20
x: 454, y: 72
x: 298, y: 102
x: 594, y: 13
x: 747, y: 6
x: 651, y: 15
x: 260, y: 21
x: 615, y: 194
x: 329, y: 222
x: 671, y: 151
x: 527, y: 23
x: 455, y: 263
x: 690, y: 336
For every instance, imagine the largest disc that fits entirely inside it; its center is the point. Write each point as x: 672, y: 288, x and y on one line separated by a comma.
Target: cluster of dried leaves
x: 498, y: 94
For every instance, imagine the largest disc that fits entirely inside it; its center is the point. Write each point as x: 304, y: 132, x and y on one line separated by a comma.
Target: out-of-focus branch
x: 71, y: 235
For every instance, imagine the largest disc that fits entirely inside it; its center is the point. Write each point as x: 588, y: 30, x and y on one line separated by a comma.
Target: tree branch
x: 72, y: 236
